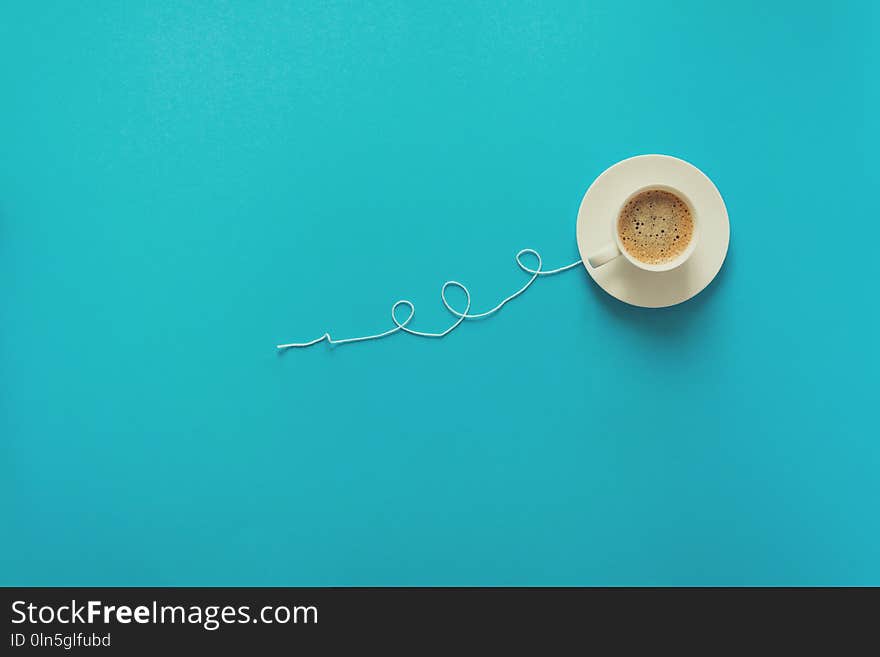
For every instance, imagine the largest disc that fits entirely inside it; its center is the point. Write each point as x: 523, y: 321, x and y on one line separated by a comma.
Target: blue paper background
x: 183, y: 185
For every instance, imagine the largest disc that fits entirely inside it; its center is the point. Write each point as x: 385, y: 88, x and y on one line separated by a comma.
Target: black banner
x: 323, y: 620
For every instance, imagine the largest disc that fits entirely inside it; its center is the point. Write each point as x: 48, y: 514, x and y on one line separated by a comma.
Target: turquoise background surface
x: 185, y: 184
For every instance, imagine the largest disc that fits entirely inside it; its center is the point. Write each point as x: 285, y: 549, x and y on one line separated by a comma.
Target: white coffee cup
x: 616, y: 248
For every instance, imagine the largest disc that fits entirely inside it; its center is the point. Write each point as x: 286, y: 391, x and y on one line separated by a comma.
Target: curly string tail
x: 460, y: 315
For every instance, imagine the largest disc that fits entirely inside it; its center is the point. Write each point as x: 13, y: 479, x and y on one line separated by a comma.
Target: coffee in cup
x: 656, y: 229
x: 655, y: 226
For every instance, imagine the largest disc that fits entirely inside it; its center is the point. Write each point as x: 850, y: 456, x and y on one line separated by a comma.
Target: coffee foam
x: 655, y: 226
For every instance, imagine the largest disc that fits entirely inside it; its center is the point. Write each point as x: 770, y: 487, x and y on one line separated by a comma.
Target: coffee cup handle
x: 604, y: 255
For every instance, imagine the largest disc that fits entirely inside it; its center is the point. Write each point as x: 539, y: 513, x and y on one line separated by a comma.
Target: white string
x: 461, y: 316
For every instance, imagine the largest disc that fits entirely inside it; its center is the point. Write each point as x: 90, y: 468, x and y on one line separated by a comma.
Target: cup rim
x: 684, y: 255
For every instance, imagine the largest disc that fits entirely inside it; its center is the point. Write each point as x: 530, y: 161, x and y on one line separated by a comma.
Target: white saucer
x: 625, y: 281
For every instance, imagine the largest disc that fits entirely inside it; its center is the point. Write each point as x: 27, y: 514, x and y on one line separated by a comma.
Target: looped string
x: 403, y: 325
